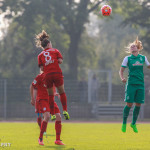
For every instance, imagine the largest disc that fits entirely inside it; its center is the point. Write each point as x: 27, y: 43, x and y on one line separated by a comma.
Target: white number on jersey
x: 47, y: 56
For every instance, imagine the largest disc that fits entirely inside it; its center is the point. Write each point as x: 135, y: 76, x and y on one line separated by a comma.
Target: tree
x: 18, y: 51
x: 135, y: 13
x: 69, y: 14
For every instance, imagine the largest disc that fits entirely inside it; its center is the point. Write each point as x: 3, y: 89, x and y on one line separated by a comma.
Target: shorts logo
x: 44, y: 108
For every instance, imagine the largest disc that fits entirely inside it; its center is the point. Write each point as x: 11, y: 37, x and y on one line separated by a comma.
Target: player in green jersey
x: 134, y: 89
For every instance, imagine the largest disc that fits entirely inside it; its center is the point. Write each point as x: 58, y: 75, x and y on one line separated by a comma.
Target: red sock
x: 63, y: 100
x: 58, y: 129
x: 43, y: 128
x: 51, y: 103
x: 39, y: 121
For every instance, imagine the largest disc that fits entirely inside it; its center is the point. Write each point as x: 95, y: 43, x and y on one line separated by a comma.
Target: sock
x: 126, y: 114
x: 63, y: 100
x: 43, y: 128
x: 58, y: 129
x: 135, y: 114
x: 39, y: 121
x: 51, y: 102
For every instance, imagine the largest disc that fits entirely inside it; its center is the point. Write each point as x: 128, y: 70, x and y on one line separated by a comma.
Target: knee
x: 47, y: 116
x: 129, y: 104
x: 58, y: 117
x: 137, y: 104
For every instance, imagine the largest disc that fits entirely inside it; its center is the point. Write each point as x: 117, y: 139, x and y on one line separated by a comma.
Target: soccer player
x: 39, y: 94
x: 49, y: 60
x: 134, y: 89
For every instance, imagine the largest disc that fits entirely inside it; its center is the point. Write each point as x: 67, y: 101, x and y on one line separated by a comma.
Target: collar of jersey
x: 135, y: 56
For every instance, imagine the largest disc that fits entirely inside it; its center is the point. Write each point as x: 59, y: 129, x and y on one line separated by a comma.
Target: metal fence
x: 84, y: 99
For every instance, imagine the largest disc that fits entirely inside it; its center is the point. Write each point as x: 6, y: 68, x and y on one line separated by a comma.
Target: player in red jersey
x: 49, y: 60
x: 39, y: 95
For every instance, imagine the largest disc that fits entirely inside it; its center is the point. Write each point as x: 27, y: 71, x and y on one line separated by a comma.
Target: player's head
x: 42, y: 40
x: 134, y: 47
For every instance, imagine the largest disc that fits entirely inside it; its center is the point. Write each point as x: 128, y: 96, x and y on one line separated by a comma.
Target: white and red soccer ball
x: 106, y: 10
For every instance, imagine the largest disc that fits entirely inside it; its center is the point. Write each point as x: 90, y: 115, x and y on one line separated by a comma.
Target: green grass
x: 76, y: 136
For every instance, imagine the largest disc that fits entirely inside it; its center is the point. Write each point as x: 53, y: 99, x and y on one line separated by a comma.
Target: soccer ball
x: 106, y: 10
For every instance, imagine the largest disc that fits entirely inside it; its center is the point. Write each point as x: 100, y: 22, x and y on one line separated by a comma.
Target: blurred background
x: 93, y: 47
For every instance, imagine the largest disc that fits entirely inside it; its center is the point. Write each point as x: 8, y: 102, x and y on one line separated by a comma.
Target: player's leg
x: 136, y: 111
x: 46, y: 114
x: 63, y: 100
x: 58, y: 128
x: 48, y: 81
x: 39, y: 119
x: 125, y: 115
x: 51, y: 102
x: 58, y: 125
x: 139, y: 99
x: 129, y: 99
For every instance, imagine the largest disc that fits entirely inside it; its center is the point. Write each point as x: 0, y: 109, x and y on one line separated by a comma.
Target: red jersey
x: 41, y: 89
x: 48, y: 58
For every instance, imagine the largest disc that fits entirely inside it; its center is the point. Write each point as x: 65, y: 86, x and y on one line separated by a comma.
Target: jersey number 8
x: 47, y: 56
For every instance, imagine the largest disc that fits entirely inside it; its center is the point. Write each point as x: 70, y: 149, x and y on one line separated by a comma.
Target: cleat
x: 40, y: 141
x: 123, y: 129
x: 53, y: 117
x: 66, y: 115
x: 59, y: 142
x: 133, y: 126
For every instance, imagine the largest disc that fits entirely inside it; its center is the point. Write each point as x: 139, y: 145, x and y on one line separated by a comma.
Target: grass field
x: 76, y: 136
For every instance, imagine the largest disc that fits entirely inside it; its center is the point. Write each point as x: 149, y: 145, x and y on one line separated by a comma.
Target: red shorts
x: 53, y: 78
x: 42, y: 106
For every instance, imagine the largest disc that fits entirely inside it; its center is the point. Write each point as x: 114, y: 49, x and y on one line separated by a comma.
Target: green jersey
x: 135, y: 65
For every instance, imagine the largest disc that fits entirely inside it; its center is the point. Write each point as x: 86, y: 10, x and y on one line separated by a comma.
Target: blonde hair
x: 42, y: 39
x: 137, y: 43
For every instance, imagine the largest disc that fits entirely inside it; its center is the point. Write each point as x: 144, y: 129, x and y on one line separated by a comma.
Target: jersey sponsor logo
x: 44, y: 108
x: 137, y: 63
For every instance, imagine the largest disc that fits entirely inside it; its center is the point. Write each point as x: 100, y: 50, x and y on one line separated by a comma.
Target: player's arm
x: 122, y: 69
x: 33, y: 93
x: 147, y: 63
x: 60, y: 60
x: 59, y: 57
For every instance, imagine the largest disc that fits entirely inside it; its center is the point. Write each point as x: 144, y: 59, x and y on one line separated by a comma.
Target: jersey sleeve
x: 59, y: 54
x: 125, y: 62
x: 35, y: 82
x: 146, y: 61
x: 39, y: 61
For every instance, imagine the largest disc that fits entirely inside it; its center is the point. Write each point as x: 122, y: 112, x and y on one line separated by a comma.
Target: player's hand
x: 57, y: 94
x: 32, y: 102
x: 60, y: 60
x: 124, y: 80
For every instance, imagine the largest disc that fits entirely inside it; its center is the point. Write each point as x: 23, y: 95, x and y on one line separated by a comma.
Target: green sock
x: 126, y: 114
x: 135, y: 114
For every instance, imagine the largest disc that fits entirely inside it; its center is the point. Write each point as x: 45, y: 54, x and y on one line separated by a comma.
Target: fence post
x: 5, y: 99
x: 89, y: 86
x: 110, y: 87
